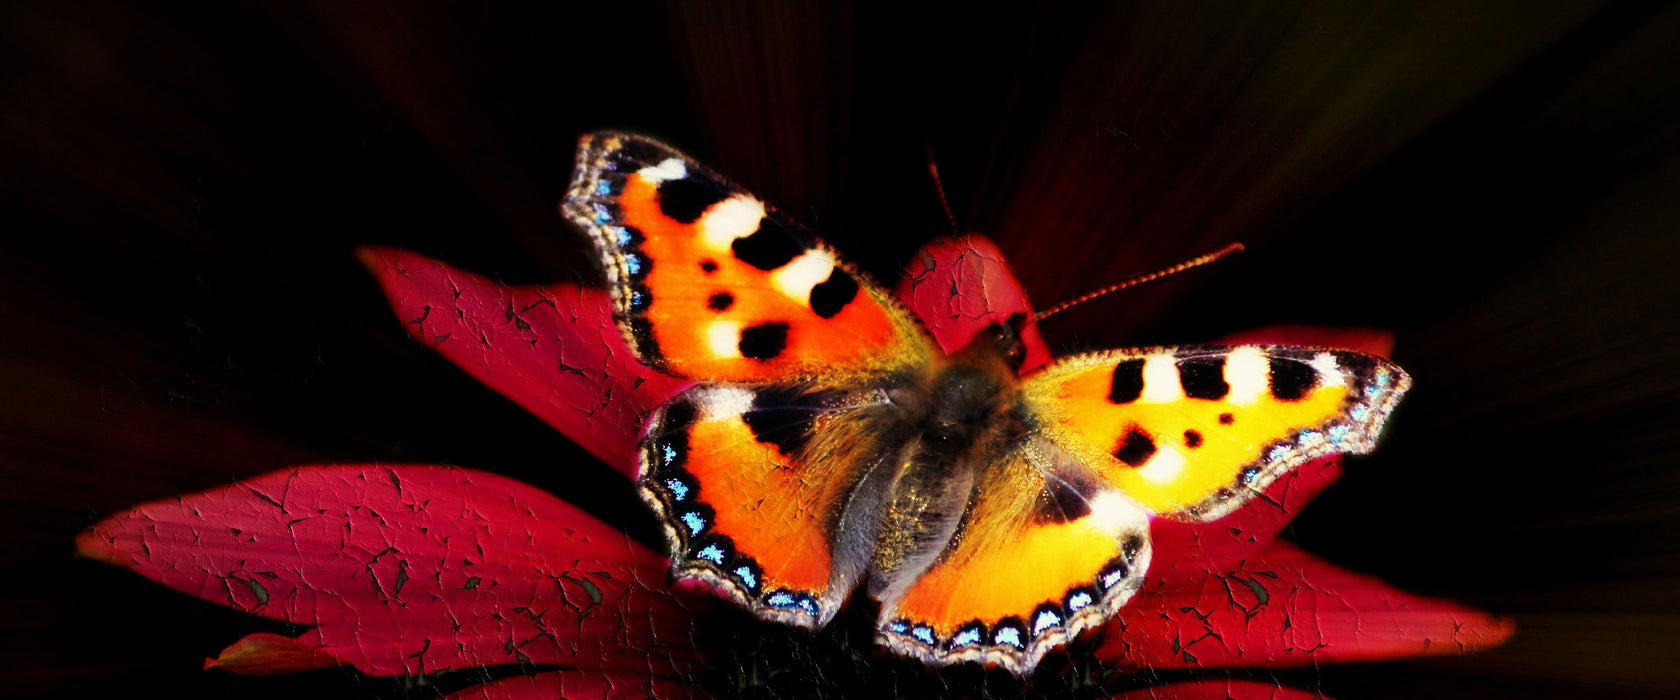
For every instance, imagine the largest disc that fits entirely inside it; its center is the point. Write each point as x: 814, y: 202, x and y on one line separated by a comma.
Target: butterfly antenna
x: 933, y: 169
x: 1140, y: 279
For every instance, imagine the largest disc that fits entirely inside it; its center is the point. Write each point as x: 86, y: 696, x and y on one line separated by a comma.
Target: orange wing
x: 769, y: 492
x: 1195, y: 432
x: 1045, y: 550
x: 712, y: 284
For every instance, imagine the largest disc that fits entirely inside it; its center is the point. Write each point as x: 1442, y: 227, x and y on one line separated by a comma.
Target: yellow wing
x: 1044, y: 551
x: 1194, y: 432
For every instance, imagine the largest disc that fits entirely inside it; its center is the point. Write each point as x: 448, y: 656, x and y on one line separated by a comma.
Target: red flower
x: 418, y: 569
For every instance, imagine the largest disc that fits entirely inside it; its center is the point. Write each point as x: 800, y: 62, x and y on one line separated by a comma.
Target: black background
x: 1498, y: 182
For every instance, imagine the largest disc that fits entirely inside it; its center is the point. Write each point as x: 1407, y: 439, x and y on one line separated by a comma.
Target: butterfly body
x: 829, y: 442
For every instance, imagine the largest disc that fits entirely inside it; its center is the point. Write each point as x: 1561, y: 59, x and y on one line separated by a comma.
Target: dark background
x: 1498, y: 182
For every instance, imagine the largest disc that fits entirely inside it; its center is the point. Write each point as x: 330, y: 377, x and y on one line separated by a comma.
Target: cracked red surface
x: 1285, y: 607
x: 407, y: 569
x: 558, y: 685
x: 552, y: 349
x: 1218, y: 690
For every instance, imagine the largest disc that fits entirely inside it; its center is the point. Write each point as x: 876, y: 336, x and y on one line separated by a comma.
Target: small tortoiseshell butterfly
x: 830, y: 441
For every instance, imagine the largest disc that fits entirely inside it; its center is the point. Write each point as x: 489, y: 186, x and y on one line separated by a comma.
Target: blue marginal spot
x: 694, y: 522
x: 636, y: 300
x: 746, y: 574
x: 1379, y: 385
x: 967, y: 637
x: 1278, y: 453
x: 621, y: 235
x: 1338, y: 433
x: 633, y: 264
x: 1359, y: 414
x: 602, y: 216
x: 603, y: 188
x: 808, y: 605
x: 711, y: 553
x: 898, y: 627
x: 1009, y: 636
x: 671, y: 456
x: 1045, y: 620
x: 1311, y: 436
x: 923, y: 634
x: 1113, y: 578
x: 677, y: 487
x: 1079, y: 601
x: 780, y: 599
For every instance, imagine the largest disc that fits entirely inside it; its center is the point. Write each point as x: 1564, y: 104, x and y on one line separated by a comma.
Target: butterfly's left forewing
x: 710, y: 283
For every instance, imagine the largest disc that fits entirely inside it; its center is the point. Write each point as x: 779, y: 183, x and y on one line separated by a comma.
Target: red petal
x: 1218, y: 690
x: 1288, y: 608
x: 409, y: 569
x: 267, y: 654
x: 575, y: 685
x: 553, y: 349
x: 959, y: 285
x: 1372, y: 340
x: 1187, y: 552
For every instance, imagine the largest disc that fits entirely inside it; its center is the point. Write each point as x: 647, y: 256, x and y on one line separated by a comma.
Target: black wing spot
x: 828, y: 298
x: 685, y: 200
x: 1063, y: 501
x: 670, y: 450
x: 1227, y: 419
x: 1127, y: 385
x: 1192, y: 439
x: 708, y: 266
x: 1135, y: 448
x: 1131, y: 548
x: 785, y: 416
x: 765, y: 341
x: 635, y: 154
x: 641, y: 329
x: 770, y: 247
x: 721, y: 301
x: 1290, y: 380
x: 1203, y: 377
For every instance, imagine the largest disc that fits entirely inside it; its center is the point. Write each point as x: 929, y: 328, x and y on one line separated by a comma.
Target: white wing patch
x: 724, y: 338
x: 1160, y: 379
x: 668, y: 169
x: 806, y: 271
x: 1248, y: 373
x: 1329, y: 372
x: 736, y: 217
x: 1164, y: 465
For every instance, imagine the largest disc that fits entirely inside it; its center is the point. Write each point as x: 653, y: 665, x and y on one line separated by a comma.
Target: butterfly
x: 828, y: 442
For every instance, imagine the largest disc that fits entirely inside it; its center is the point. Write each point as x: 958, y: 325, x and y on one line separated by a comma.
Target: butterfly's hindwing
x: 754, y: 485
x: 1045, y: 550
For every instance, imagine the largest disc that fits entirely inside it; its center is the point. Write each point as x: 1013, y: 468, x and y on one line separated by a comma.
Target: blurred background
x: 1497, y: 182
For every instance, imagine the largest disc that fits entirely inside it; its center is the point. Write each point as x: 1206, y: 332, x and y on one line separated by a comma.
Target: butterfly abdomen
x: 964, y: 410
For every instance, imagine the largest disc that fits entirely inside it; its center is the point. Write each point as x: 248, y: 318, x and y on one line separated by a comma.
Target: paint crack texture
x: 388, y: 567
